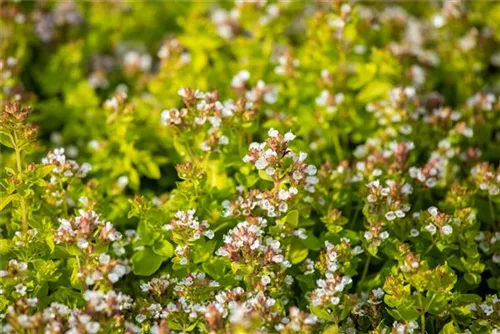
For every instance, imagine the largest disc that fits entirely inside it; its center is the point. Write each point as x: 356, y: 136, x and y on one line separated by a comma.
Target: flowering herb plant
x: 250, y: 167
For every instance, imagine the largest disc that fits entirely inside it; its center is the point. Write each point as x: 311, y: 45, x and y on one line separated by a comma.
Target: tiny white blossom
x: 433, y: 211
x: 390, y: 215
x: 261, y: 163
x: 270, y: 171
x: 289, y: 136
x: 82, y: 243
x: 273, y: 133
x: 447, y: 229
x: 431, y: 228
x: 104, y: 258
x: 414, y: 232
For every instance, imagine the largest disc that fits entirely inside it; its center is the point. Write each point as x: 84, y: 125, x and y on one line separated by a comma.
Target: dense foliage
x: 250, y: 167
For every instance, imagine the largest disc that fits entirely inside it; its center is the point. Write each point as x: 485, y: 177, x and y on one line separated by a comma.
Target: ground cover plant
x: 250, y: 167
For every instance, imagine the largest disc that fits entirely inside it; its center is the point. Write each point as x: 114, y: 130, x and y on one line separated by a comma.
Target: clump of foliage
x: 250, y: 167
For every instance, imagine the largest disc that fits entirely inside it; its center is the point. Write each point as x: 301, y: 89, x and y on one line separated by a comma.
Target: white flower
x: 273, y: 133
x: 447, y: 229
x: 302, y: 156
x: 378, y: 293
x: 204, y: 146
x: 21, y: 289
x: 265, y: 280
x: 311, y: 170
x: 270, y: 171
x: 496, y: 258
x: 283, y: 195
x: 289, y: 136
x: 431, y: 228
x: 82, y: 243
x: 261, y: 163
x: 384, y: 235
x: 390, y: 215
x: 122, y: 181
x: 399, y: 213
x: 283, y: 207
x: 301, y: 233
x: 368, y: 236
x: 140, y: 318
x: 414, y: 232
x: 433, y: 211
x: 209, y: 234
x: 113, y: 277
x: 223, y: 140
x: 104, y: 258
x: 92, y: 327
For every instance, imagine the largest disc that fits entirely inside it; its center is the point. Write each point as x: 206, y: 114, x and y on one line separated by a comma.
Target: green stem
x: 430, y: 247
x: 19, y: 170
x: 65, y: 200
x: 365, y: 269
x: 336, y: 144
x: 492, y: 210
x: 422, y: 312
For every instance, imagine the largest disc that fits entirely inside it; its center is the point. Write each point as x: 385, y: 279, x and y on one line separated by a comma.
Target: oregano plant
x: 250, y: 167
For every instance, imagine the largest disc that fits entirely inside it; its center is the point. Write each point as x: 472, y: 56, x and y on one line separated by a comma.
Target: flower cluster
x: 63, y: 166
x: 82, y: 229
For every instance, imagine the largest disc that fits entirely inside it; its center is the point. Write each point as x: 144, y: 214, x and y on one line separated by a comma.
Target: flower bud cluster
x: 391, y: 201
x: 329, y: 101
x: 435, y: 221
x: 245, y: 243
x: 85, y: 229
x: 394, y: 110
x: 186, y: 229
x: 486, y: 179
x: 276, y: 159
x: 201, y: 109
x: 64, y: 167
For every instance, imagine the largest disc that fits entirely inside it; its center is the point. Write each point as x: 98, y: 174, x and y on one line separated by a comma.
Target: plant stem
x: 365, y: 269
x: 422, y: 312
x: 336, y: 144
x: 430, y: 247
x: 492, y: 210
x: 19, y: 170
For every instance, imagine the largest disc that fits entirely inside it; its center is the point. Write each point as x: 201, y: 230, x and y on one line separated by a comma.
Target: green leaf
x: 311, y: 242
x: 321, y: 313
x: 216, y: 268
x: 146, y: 262
x: 373, y: 91
x: 466, y: 299
x: 43, y: 171
x: 5, y: 200
x: 5, y: 140
x: 292, y: 218
x: 472, y: 279
x: 404, y: 313
x: 202, y: 250
x: 264, y: 176
x: 333, y: 329
x: 449, y: 328
x: 241, y: 269
x: 298, y: 252
x: 163, y: 248
x: 4, y: 246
